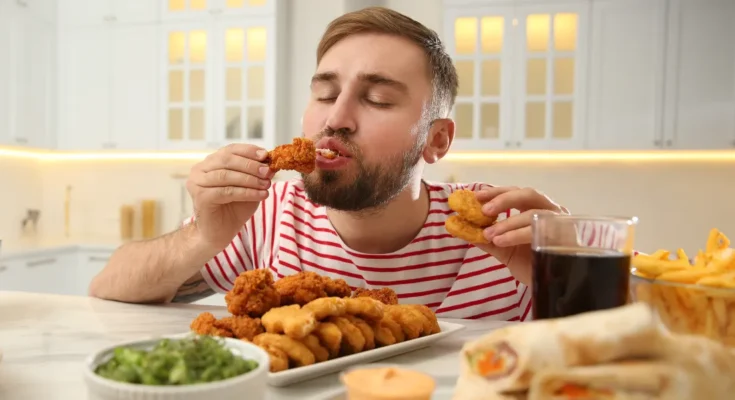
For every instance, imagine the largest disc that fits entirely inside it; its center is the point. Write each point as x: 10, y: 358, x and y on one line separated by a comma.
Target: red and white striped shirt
x: 289, y: 233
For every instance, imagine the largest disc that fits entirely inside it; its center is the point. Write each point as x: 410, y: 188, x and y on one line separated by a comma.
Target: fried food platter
x: 312, y: 325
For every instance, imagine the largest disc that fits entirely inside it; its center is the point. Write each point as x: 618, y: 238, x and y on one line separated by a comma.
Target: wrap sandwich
x: 506, y: 359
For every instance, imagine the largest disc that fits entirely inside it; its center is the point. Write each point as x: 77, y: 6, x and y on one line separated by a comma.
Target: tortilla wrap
x: 507, y: 358
x: 628, y: 380
x: 473, y: 387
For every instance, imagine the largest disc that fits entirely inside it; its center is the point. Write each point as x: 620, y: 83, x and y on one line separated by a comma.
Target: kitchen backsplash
x: 677, y: 203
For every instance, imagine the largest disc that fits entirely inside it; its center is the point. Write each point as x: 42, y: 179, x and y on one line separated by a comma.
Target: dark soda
x: 569, y: 281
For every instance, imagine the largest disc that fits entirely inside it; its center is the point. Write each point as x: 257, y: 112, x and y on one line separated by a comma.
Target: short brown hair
x: 384, y: 20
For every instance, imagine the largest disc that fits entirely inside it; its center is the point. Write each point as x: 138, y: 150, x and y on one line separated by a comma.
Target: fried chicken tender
x: 241, y: 327
x: 296, y: 351
x: 352, y: 339
x: 465, y: 204
x: 365, y: 329
x: 336, y: 287
x: 253, y: 294
x: 433, y: 326
x: 409, y: 319
x: 462, y: 229
x: 365, y: 307
x: 301, y: 288
x: 320, y: 353
x: 384, y: 295
x: 204, y: 324
x: 278, y: 358
x: 292, y: 320
x: 330, y: 337
x: 469, y: 221
x: 327, y: 307
x: 299, y: 156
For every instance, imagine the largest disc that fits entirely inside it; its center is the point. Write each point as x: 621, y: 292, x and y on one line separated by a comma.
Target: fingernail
x: 263, y: 193
x: 487, y: 209
x: 489, y: 233
x: 261, y: 153
x: 263, y: 171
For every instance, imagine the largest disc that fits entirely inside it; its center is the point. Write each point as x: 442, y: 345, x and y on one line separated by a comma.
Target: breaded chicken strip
x: 298, y: 156
x: 253, y: 294
x: 384, y: 295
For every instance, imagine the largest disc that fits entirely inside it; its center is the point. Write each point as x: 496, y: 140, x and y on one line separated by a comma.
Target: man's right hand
x: 226, y: 189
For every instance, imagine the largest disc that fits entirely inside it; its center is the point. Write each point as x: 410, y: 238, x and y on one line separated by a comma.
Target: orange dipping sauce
x: 388, y: 383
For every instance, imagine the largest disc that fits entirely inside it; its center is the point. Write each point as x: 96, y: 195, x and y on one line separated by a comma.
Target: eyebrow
x: 373, y: 78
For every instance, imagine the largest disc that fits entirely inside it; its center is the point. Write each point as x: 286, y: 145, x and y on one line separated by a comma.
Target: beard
x: 370, y: 188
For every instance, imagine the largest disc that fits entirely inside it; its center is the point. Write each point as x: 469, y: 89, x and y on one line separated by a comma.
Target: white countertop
x: 23, y: 247
x: 45, y: 339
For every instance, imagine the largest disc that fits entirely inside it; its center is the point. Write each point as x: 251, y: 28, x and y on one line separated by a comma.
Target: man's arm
x: 157, y: 270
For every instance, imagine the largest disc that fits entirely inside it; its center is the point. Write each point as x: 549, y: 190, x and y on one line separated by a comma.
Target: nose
x: 342, y: 115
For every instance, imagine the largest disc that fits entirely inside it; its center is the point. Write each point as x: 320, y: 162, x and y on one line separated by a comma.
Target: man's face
x: 367, y: 101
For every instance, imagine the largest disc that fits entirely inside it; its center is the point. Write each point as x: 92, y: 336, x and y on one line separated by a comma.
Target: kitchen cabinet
x: 522, y: 70
x: 27, y: 77
x: 76, y: 13
x: 60, y: 271
x: 219, y: 83
x: 626, y: 75
x: 108, y: 88
x: 700, y: 80
x: 182, y: 10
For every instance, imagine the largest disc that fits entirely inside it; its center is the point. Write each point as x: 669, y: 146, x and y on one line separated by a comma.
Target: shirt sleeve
x: 252, y: 248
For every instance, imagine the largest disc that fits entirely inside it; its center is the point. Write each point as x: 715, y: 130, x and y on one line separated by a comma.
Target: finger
x: 226, y: 177
x: 248, y: 151
x: 513, y: 238
x: 231, y: 194
x: 521, y: 199
x: 485, y: 195
x: 515, y: 222
x: 229, y: 161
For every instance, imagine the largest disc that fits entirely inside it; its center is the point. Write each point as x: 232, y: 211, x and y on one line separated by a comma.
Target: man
x: 381, y: 97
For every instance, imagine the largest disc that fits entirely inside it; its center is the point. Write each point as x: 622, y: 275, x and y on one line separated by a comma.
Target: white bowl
x: 251, y: 385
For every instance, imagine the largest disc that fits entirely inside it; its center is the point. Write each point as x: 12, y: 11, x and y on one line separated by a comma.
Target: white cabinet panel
x: 85, y: 12
x: 90, y: 263
x: 5, y: 56
x: 44, y: 10
x: 85, y: 89
x: 701, y: 84
x: 625, y: 93
x: 135, y: 11
x: 134, y: 88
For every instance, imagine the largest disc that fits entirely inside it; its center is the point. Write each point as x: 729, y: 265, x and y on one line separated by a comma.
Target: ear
x: 439, y: 140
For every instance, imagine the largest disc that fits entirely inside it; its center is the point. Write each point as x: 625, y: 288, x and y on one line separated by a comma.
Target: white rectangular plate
x: 300, y: 374
x: 444, y: 390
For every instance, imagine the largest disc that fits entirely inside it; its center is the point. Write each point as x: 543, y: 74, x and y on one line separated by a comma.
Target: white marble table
x: 45, y: 339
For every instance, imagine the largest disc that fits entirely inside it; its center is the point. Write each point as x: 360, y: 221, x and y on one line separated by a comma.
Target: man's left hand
x: 510, y: 239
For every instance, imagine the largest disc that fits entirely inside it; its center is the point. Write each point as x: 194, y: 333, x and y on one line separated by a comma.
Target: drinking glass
x: 580, y: 263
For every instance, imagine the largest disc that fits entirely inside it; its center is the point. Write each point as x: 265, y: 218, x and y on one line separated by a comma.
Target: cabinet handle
x: 93, y: 258
x: 21, y: 140
x: 507, y: 144
x: 733, y: 143
x: 110, y: 18
x: 657, y: 143
x: 215, y: 11
x: 518, y: 144
x: 668, y: 143
x: 22, y: 3
x: 31, y: 264
x: 109, y: 145
x: 3, y: 268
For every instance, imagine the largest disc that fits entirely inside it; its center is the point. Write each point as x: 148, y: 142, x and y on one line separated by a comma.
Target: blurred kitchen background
x: 622, y: 107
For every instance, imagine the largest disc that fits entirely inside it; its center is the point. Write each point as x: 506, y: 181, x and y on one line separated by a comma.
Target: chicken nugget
x: 464, y: 230
x: 352, y: 339
x: 320, y: 353
x: 278, y: 358
x: 433, y: 326
x: 330, y: 337
x: 204, y: 324
x: 242, y: 327
x: 291, y: 320
x: 384, y: 295
x: 394, y: 327
x: 365, y: 308
x: 426, y: 325
x: 383, y: 335
x: 296, y: 351
x: 252, y: 294
x: 365, y: 329
x: 409, y: 320
x: 327, y: 307
x: 464, y: 202
x: 299, y: 156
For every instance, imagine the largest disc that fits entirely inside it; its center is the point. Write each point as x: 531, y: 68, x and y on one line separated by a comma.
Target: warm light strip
x: 538, y: 156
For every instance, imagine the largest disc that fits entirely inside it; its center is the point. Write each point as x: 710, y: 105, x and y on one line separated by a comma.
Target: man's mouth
x: 329, y: 153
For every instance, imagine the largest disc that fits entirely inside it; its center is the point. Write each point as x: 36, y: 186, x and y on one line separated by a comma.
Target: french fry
x: 701, y: 297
